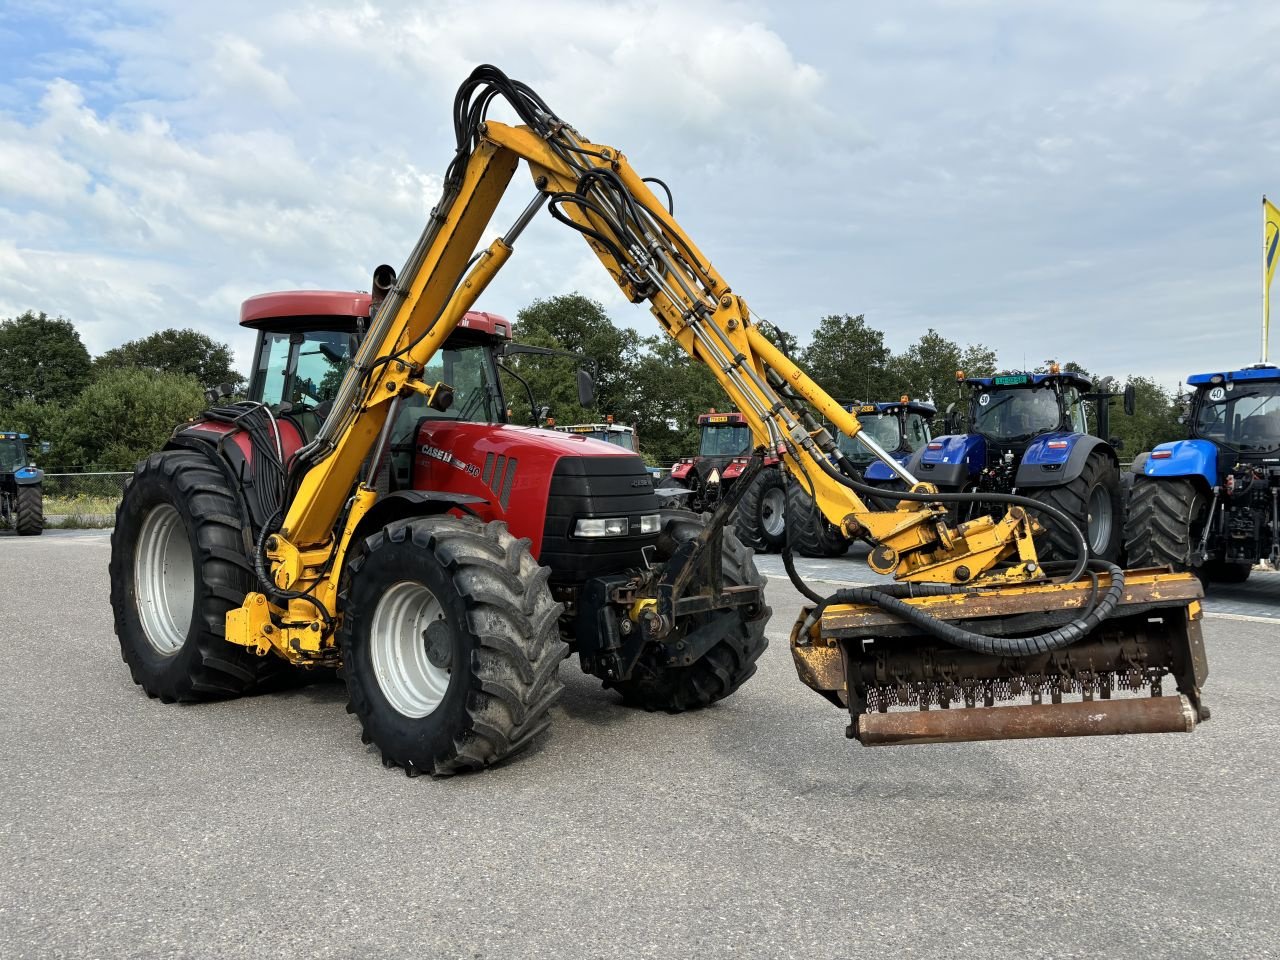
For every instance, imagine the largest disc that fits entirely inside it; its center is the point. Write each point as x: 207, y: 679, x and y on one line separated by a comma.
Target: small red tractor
x: 723, y: 455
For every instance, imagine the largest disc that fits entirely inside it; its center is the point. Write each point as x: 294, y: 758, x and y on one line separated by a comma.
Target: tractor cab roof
x: 926, y: 410
x: 1015, y: 379
x: 1259, y: 371
x: 13, y: 435
x: 339, y: 310
x: 718, y: 419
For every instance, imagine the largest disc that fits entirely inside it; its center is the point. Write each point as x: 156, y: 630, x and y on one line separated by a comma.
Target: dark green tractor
x: 21, y: 486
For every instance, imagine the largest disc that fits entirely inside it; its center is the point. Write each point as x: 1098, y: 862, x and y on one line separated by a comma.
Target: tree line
x: 650, y: 381
x: 109, y: 411
x: 105, y: 412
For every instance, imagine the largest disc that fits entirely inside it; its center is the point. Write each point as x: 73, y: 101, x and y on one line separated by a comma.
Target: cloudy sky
x: 1054, y: 179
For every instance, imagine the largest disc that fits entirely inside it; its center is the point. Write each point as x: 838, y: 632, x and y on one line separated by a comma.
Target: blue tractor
x: 1211, y: 503
x: 21, y: 490
x: 1028, y: 433
x: 901, y: 428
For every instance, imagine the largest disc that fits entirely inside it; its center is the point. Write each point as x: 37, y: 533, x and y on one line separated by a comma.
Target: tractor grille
x: 595, y: 487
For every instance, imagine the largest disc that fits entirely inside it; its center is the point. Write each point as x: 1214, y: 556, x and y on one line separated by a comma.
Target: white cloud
x: 1056, y: 179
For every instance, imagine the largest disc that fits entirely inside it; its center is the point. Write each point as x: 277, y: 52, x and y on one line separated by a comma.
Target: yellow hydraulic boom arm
x: 594, y: 188
x: 982, y: 568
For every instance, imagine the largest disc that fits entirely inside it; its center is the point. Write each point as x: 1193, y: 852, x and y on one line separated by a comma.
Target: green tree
x: 928, y: 367
x: 849, y: 359
x: 574, y: 322
x: 1154, y: 420
x: 123, y: 416
x: 671, y: 389
x: 188, y: 352
x: 42, y: 358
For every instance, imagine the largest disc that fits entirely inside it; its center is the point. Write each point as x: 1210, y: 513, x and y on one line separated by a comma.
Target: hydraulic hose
x: 887, y: 598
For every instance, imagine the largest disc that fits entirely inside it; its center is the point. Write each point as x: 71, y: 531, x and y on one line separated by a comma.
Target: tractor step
x: 900, y: 684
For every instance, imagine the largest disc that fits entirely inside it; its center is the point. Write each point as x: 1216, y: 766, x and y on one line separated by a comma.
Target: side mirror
x: 1117, y: 443
x: 543, y: 412
x: 1130, y: 400
x: 586, y: 389
x: 45, y: 445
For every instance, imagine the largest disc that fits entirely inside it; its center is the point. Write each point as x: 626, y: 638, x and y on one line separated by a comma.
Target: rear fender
x: 1187, y: 458
x: 28, y: 476
x: 1054, y: 459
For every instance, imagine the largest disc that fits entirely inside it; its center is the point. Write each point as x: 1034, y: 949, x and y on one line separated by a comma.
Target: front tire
x: 761, y: 517
x: 28, y: 510
x: 1095, y: 504
x: 808, y: 530
x: 1163, y: 525
x: 656, y: 685
x: 450, y: 645
x: 178, y: 564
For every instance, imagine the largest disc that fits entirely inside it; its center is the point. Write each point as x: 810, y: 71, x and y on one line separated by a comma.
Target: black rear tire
x: 1094, y: 502
x: 760, y: 520
x: 196, y: 663
x: 28, y: 510
x: 656, y: 685
x: 496, y: 656
x: 1164, y: 522
x: 808, y: 530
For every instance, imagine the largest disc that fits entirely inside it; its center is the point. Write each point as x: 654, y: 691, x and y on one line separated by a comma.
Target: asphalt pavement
x: 263, y: 828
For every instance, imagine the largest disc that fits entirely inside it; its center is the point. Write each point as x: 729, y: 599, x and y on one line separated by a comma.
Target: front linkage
x: 685, y: 588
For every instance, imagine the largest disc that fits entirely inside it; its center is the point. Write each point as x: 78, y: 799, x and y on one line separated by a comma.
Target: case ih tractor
x: 581, y: 516
x: 1028, y: 434
x: 901, y: 428
x: 723, y: 454
x: 21, y: 486
x: 1211, y: 503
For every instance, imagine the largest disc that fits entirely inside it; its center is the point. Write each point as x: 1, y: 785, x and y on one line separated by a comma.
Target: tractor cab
x: 13, y: 452
x: 307, y: 338
x: 1239, y: 412
x: 901, y: 428
x: 1012, y: 409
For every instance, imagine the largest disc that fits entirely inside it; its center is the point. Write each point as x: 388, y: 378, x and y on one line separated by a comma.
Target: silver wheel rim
x: 1100, y: 520
x: 165, y: 581
x: 772, y: 515
x: 412, y: 684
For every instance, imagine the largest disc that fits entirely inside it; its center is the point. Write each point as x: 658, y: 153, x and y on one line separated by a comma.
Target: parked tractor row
x: 1209, y: 503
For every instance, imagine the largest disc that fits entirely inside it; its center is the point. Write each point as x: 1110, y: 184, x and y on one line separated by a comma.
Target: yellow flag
x: 1270, y: 256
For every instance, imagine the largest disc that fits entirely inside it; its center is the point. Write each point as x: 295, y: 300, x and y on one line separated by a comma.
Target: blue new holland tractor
x: 21, y: 491
x: 1028, y: 433
x: 1211, y: 503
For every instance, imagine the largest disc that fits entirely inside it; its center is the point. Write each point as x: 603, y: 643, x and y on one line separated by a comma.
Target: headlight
x: 595, y: 527
x: 601, y: 527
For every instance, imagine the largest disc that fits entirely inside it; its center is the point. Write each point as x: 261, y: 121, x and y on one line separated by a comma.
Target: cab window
x: 916, y: 433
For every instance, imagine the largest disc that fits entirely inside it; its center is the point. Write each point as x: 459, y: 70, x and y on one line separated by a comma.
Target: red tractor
x: 723, y: 455
x: 582, y: 512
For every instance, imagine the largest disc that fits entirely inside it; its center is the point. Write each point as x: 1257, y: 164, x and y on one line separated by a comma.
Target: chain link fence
x: 86, y: 499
